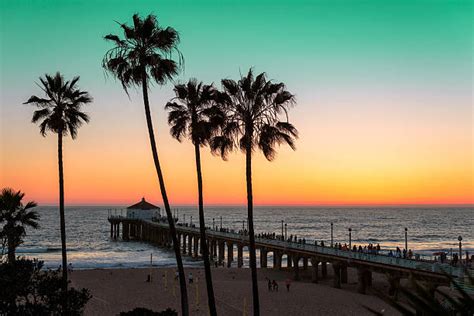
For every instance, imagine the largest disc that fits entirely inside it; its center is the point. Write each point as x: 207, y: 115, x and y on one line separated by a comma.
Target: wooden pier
x: 298, y: 256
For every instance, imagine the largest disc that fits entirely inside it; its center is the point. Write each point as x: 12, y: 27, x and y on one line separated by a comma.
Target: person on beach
x: 190, y: 277
x: 270, y: 286
x: 176, y: 275
x: 275, y: 286
x: 288, y: 284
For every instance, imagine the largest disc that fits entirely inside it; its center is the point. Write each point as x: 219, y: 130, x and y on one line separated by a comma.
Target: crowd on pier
x: 373, y: 249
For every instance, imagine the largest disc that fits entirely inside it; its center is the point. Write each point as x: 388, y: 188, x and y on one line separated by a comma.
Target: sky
x: 383, y: 90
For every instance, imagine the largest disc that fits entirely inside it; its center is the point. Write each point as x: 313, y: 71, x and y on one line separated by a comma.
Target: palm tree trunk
x: 253, y: 256
x: 11, y: 249
x: 61, y: 218
x: 202, y: 228
x: 179, y: 261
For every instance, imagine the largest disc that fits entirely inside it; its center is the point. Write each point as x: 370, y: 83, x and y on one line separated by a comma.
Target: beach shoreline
x: 117, y: 290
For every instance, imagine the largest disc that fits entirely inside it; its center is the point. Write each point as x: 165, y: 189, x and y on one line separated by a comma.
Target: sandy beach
x: 117, y: 290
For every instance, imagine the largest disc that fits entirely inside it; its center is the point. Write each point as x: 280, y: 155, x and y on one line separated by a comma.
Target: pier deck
x: 297, y: 255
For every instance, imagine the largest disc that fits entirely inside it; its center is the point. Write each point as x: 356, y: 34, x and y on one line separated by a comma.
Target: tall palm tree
x: 253, y: 107
x: 15, y: 217
x: 60, y: 112
x: 194, y: 114
x: 141, y: 57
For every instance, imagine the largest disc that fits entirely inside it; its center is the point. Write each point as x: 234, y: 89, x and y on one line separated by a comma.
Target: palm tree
x: 143, y: 56
x: 194, y: 114
x: 15, y: 218
x: 253, y: 107
x: 60, y: 112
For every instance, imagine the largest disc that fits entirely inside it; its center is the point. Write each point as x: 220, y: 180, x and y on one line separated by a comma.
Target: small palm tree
x: 253, y: 107
x: 141, y: 57
x: 60, y: 112
x: 15, y: 217
x: 194, y: 114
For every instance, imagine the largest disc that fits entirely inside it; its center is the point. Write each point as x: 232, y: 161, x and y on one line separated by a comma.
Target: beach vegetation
x: 26, y: 288
x: 15, y: 217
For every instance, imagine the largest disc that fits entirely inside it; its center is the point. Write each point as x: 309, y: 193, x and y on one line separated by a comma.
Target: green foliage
x: 140, y: 311
x: 27, y: 289
x: 423, y: 300
x: 14, y: 218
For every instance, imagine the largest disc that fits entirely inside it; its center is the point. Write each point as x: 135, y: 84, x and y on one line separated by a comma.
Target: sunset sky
x: 383, y: 88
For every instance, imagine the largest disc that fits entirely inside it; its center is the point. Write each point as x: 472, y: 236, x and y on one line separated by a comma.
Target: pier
x: 223, y: 246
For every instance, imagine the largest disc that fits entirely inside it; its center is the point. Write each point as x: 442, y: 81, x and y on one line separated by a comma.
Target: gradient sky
x: 384, y: 101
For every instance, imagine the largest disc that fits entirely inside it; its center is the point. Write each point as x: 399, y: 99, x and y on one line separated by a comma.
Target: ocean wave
x: 42, y: 250
x: 90, y: 264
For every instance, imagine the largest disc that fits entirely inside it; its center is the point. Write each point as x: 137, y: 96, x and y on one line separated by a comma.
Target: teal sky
x: 362, y: 71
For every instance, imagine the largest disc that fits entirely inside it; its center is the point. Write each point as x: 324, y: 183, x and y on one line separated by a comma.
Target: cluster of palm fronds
x: 419, y: 299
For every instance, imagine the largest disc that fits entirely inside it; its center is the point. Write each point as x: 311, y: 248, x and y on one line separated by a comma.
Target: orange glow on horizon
x: 347, y: 164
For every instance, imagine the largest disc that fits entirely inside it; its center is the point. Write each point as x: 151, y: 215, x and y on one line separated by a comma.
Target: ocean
x: 89, y: 244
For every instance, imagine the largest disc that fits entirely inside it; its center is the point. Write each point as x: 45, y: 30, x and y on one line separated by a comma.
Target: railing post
x: 281, y: 228
x: 350, y: 239
x: 406, y: 239
x: 332, y: 234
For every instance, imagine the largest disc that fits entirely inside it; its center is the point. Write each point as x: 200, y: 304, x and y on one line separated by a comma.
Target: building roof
x: 143, y: 205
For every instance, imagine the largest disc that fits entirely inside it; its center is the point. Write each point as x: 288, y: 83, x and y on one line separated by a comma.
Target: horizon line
x: 386, y: 205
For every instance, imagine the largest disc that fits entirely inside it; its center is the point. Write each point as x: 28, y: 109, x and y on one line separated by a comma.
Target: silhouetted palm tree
x: 60, y: 112
x: 15, y: 217
x: 194, y: 114
x: 253, y: 107
x: 143, y: 56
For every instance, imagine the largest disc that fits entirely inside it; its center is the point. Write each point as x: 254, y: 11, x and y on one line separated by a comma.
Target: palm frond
x: 143, y: 53
x: 61, y: 112
x: 252, y: 107
x: 222, y: 146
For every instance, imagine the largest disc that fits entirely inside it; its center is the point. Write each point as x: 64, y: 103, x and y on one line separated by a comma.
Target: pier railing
x: 434, y: 267
x: 421, y: 265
